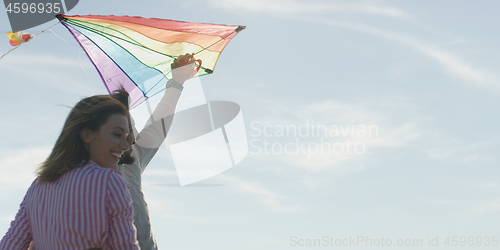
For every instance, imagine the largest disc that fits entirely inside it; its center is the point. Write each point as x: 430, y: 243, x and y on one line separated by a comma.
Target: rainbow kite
x: 136, y: 52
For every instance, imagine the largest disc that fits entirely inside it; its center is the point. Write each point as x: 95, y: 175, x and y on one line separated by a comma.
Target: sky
x: 367, y: 120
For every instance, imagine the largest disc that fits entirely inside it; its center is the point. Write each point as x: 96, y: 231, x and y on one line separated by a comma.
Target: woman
x: 79, y: 201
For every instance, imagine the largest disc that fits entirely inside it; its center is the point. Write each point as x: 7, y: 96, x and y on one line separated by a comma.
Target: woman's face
x: 106, y: 145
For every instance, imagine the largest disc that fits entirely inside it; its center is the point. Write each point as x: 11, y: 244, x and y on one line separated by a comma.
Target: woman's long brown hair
x: 69, y: 152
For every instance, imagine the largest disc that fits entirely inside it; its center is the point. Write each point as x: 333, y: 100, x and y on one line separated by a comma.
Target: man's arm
x: 154, y: 133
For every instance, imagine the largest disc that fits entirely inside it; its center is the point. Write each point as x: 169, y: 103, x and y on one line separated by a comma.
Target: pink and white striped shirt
x: 88, y: 207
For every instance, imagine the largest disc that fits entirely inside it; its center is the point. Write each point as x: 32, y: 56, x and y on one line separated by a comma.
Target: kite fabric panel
x: 136, y: 52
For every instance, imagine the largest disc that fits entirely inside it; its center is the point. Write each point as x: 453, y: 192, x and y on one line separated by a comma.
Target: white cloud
x: 443, y: 147
x: 7, y: 219
x: 453, y: 64
x: 487, y: 207
x: 160, y: 207
x: 337, y: 133
x: 19, y: 60
x: 18, y: 168
x: 265, y: 196
x: 54, y: 71
x: 295, y: 7
x: 491, y: 184
x: 398, y: 125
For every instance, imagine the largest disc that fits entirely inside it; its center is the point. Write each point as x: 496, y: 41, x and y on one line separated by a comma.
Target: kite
x: 136, y: 52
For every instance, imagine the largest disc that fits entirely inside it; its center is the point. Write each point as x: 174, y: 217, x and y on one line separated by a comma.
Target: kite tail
x: 31, y: 39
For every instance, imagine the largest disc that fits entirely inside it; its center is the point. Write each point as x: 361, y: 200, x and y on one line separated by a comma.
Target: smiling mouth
x: 116, y: 156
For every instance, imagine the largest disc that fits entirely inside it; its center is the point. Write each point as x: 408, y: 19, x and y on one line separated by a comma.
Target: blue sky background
x: 423, y: 72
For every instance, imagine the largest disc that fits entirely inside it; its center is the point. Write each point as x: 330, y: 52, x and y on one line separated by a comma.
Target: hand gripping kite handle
x: 197, y: 69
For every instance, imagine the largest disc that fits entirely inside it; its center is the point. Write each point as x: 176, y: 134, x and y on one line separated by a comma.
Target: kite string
x: 46, y: 29
x: 62, y: 38
x: 81, y: 65
x: 30, y: 40
x: 10, y: 51
x: 79, y: 53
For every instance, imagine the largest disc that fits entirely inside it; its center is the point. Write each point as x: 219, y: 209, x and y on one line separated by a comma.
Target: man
x: 146, y: 143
